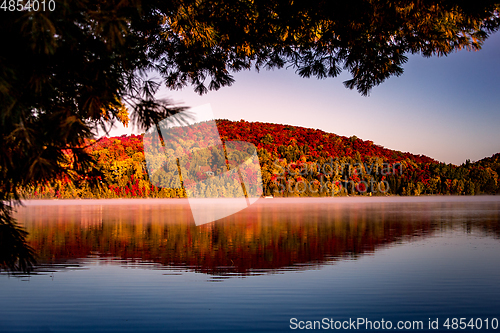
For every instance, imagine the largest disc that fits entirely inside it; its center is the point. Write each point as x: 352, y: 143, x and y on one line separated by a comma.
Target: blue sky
x: 447, y: 108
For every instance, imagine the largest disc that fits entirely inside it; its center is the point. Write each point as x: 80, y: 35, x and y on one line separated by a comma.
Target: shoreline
x: 276, y: 200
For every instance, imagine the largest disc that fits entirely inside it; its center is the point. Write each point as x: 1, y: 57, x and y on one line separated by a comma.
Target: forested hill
x: 294, y: 161
x: 312, y: 143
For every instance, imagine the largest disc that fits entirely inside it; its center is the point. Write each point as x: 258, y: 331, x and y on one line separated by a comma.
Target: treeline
x: 294, y: 161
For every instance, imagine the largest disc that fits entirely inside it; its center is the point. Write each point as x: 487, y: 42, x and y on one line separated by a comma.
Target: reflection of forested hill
x: 265, y: 237
x: 294, y: 161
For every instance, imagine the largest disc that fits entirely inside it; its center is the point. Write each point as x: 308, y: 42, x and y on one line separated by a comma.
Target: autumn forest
x: 294, y: 161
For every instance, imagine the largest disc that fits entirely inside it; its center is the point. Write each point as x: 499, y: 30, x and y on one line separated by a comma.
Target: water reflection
x: 272, y: 235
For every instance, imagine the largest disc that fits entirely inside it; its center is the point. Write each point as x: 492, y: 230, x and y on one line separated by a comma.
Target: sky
x: 447, y: 108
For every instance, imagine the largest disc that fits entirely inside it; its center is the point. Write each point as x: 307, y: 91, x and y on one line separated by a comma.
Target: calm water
x: 143, y: 266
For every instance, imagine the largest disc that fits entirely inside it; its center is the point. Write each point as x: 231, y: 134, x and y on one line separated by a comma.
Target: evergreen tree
x: 67, y: 72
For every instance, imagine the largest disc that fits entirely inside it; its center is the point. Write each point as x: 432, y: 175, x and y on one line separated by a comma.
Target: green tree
x: 67, y: 72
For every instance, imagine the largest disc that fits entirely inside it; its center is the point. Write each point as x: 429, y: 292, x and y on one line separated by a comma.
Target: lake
x: 399, y: 263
